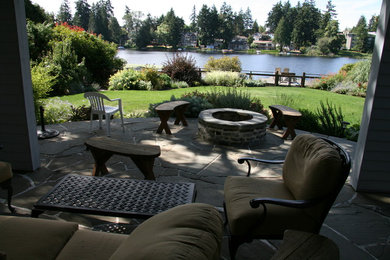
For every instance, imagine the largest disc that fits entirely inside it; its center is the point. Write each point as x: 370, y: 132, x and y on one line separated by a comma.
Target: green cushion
x: 191, y: 231
x: 5, y: 171
x: 34, y: 238
x: 312, y: 168
x: 94, y: 245
x: 244, y: 220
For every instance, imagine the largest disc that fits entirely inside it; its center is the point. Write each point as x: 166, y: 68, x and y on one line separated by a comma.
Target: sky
x: 348, y: 11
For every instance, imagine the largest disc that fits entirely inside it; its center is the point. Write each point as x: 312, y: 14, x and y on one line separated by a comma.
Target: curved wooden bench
x: 164, y: 111
x: 287, y: 114
x: 102, y: 148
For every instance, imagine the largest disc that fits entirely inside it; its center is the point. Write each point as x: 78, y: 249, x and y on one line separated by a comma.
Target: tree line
x: 300, y: 27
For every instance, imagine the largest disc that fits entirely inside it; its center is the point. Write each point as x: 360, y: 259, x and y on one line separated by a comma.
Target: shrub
x: 331, y: 119
x: 80, y: 113
x: 151, y: 75
x: 328, y: 82
x: 352, y: 132
x: 360, y: 72
x: 254, y: 83
x: 42, y: 82
x: 100, y: 56
x: 309, y: 121
x: 39, y: 35
x: 225, y: 63
x: 57, y: 111
x: 179, y: 84
x: 181, y: 68
x: 125, y: 79
x: 223, y: 78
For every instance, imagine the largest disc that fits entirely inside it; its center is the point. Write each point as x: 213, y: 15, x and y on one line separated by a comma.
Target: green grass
x: 137, y: 101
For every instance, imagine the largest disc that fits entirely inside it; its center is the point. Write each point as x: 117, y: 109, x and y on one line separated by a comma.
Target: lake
x: 249, y: 62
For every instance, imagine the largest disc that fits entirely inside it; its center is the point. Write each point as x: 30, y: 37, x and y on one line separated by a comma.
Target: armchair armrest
x: 248, y: 159
x: 255, y: 203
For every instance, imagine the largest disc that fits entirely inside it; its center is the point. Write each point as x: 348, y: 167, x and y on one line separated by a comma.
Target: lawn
x: 137, y: 101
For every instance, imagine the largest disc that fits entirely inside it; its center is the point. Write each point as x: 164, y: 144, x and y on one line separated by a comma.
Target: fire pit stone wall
x: 230, y: 126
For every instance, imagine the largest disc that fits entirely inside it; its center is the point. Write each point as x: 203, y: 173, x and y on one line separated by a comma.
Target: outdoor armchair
x: 314, y: 171
x: 99, y: 108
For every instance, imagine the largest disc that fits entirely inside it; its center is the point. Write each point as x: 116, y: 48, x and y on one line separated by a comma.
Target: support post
x: 277, y: 78
x: 303, y: 80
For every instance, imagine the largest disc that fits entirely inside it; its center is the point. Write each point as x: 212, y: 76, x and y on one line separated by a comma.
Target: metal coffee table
x: 114, y: 196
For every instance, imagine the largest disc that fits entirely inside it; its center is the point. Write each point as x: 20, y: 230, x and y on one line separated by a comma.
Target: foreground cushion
x: 34, y: 238
x: 191, y: 231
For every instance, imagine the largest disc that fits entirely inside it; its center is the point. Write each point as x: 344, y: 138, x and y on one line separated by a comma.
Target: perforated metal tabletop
x: 114, y: 196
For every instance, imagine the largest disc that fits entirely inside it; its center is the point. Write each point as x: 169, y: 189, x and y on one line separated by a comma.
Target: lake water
x: 249, y: 62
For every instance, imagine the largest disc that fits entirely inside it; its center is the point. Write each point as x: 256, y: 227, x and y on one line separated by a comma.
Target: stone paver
x: 359, y: 223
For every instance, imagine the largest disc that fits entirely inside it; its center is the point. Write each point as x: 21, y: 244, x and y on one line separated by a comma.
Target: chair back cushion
x: 313, y: 168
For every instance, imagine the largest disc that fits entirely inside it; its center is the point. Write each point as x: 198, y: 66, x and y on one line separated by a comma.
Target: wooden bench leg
x: 277, y: 119
x: 164, y: 116
x: 8, y: 186
x: 145, y: 165
x: 180, y: 115
x: 101, y: 157
x: 291, y: 122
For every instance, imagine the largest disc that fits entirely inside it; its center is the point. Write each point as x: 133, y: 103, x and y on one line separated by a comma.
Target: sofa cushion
x: 312, y: 168
x: 244, y: 220
x: 34, y: 238
x: 191, y: 231
x: 94, y: 245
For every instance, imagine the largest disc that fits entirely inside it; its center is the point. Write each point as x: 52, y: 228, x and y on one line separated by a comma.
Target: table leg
x: 36, y: 212
x: 180, y: 115
x: 145, y: 165
x: 164, y: 116
x: 101, y: 157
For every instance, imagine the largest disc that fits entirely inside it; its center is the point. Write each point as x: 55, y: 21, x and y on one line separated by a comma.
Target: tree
x: 145, y: 35
x: 132, y: 23
x: 239, y: 27
x: 255, y: 28
x: 274, y: 16
x: 170, y: 30
x: 64, y: 15
x: 373, y: 23
x: 361, y: 32
x: 248, y: 22
x: 35, y: 13
x: 306, y: 24
x: 282, y: 35
x: 329, y: 15
x: 226, y: 23
x: 81, y: 16
x: 193, y: 19
x: 115, y: 30
x: 101, y: 12
x: 208, y: 24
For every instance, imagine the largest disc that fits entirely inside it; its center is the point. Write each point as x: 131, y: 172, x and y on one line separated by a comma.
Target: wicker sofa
x: 191, y: 231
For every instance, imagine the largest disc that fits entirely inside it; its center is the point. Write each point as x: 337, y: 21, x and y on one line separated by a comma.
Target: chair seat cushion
x: 244, y: 220
x: 191, y: 231
x: 5, y: 171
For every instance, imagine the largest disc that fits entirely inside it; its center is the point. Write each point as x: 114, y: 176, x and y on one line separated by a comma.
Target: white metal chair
x: 98, y: 108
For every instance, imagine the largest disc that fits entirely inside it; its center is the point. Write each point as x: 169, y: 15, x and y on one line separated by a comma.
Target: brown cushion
x: 191, y: 231
x: 5, y: 171
x: 34, y: 238
x: 244, y: 220
x: 312, y: 168
x: 94, y: 245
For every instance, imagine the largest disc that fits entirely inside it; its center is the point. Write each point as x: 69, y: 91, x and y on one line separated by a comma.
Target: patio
x: 358, y: 223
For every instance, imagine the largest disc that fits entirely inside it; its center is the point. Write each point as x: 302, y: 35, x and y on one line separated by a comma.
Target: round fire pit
x: 230, y: 126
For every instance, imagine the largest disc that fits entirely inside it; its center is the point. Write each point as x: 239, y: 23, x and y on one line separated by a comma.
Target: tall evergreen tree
x: 248, y: 22
x: 81, y: 16
x: 193, y: 20
x: 274, y: 16
x: 239, y: 24
x: 361, y: 32
x: 208, y: 24
x: 145, y: 33
x: 115, y: 30
x: 64, y: 14
x: 226, y: 22
x: 255, y: 28
x: 282, y: 35
x: 132, y: 23
x: 36, y: 13
x: 373, y: 23
x: 170, y: 30
x: 306, y: 24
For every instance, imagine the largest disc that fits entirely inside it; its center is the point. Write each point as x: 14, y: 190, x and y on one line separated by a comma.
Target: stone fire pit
x: 230, y: 126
